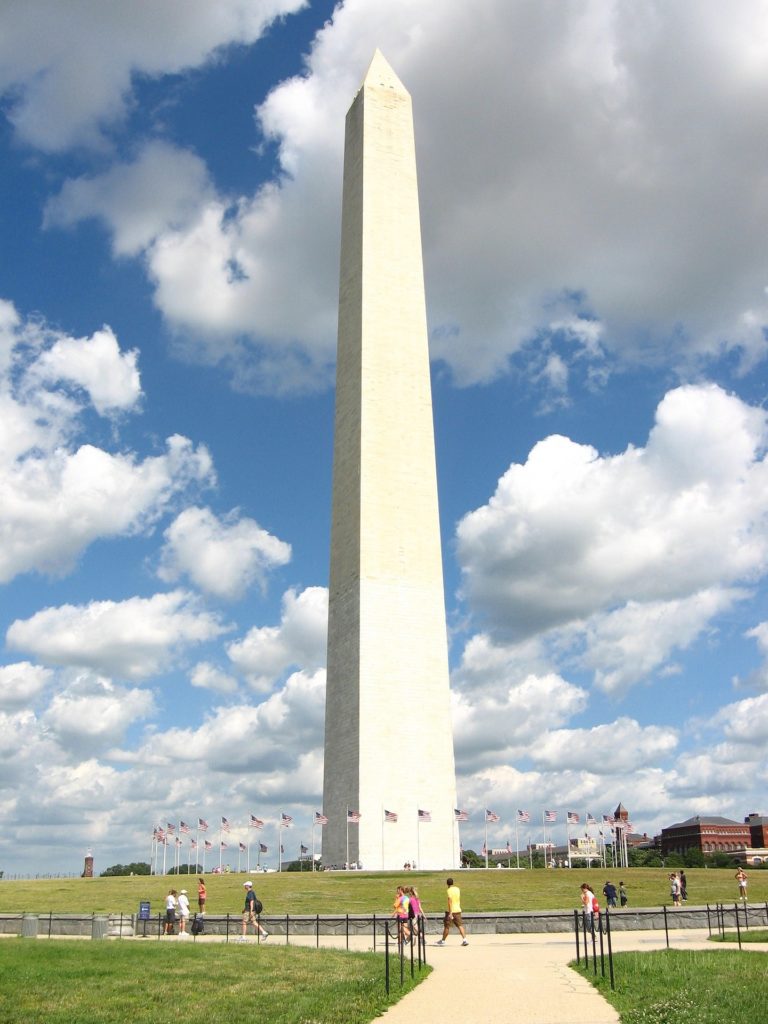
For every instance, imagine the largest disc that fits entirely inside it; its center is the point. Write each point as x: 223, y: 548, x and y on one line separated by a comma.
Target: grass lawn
x: 355, y: 892
x: 65, y: 982
x: 688, y: 987
x: 747, y: 935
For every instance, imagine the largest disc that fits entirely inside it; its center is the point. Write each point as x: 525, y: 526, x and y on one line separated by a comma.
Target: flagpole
x: 544, y: 827
x: 517, y: 844
x: 418, y: 837
x: 313, y: 844
x: 568, y: 837
x: 486, y: 839
x: 221, y: 840
x: 346, y: 863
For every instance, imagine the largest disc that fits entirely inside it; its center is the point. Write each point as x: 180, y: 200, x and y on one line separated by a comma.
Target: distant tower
x: 388, y: 736
x: 88, y: 865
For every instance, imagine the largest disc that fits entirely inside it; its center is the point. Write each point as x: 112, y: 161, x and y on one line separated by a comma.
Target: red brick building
x: 758, y: 830
x: 710, y: 835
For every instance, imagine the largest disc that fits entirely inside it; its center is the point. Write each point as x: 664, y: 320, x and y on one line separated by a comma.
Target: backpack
x: 258, y: 906
x: 198, y: 926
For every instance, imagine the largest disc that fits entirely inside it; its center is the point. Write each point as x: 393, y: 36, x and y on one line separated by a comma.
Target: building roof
x: 703, y: 820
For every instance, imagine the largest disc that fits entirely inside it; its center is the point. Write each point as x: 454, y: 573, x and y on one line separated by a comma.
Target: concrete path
x: 519, y: 979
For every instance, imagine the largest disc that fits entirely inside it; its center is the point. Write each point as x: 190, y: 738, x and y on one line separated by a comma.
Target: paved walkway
x: 519, y: 979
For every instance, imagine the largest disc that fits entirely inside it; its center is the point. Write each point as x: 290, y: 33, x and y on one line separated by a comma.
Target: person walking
x: 453, y: 914
x: 609, y: 891
x: 623, y: 898
x: 415, y: 913
x: 400, y: 909
x: 683, y: 887
x: 251, y: 911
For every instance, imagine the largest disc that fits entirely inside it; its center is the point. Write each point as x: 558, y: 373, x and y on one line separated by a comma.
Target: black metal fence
x: 593, y: 930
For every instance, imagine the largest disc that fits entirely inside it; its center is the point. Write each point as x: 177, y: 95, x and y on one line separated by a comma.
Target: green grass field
x: 747, y: 935
x: 688, y: 987
x: 357, y: 893
x: 54, y: 983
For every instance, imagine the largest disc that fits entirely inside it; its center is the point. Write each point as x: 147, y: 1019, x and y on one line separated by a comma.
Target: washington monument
x: 388, y: 738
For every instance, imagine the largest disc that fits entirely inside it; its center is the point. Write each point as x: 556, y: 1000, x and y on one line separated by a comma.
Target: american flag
x: 523, y: 816
x: 303, y: 850
x: 353, y: 817
x: 178, y: 840
x: 490, y: 816
x: 484, y: 850
x: 459, y: 815
x: 424, y: 815
x: 242, y: 847
x: 591, y: 820
x: 262, y: 848
x: 256, y: 822
x: 550, y: 815
x: 158, y: 833
x: 184, y: 827
x: 193, y: 844
x: 282, y: 848
x: 286, y: 820
x: 608, y: 819
x: 320, y: 819
x: 170, y: 829
x: 390, y: 816
x: 223, y: 845
x: 224, y: 825
x: 572, y: 818
x: 202, y: 825
x: 208, y: 846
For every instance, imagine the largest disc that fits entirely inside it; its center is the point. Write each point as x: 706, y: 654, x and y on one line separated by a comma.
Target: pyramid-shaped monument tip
x: 380, y: 73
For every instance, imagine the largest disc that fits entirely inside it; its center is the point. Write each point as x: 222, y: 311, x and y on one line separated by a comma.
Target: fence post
x: 602, y: 953
x: 610, y: 947
x: 738, y: 926
x: 386, y: 957
x: 709, y: 923
x: 576, y: 923
x: 347, y: 930
x: 594, y: 944
x: 317, y: 931
x: 666, y: 925
x: 374, y: 933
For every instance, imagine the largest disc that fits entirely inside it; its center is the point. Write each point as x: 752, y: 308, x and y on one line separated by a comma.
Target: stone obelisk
x: 388, y: 736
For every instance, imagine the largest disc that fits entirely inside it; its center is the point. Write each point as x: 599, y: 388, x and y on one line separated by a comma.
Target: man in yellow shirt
x: 453, y: 914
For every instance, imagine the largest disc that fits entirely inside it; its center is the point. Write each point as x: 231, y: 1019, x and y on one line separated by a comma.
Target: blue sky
x: 593, y: 202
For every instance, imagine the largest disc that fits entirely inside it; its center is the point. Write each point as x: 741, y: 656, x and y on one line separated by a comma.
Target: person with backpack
x: 253, y: 907
x: 415, y: 913
x: 589, y: 903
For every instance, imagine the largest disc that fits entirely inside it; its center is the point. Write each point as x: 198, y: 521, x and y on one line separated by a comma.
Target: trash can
x: 29, y: 926
x: 99, y: 926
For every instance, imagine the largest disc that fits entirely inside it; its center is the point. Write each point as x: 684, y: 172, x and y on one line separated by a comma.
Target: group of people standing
x: 177, y: 908
x: 678, y: 888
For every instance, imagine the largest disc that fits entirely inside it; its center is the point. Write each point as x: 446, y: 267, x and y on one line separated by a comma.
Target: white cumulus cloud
x: 611, y: 220
x: 130, y: 639
x: 223, y: 557
x: 644, y: 546
x: 300, y: 640
x: 67, y: 69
